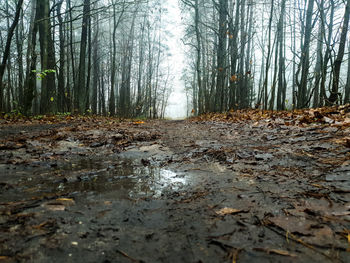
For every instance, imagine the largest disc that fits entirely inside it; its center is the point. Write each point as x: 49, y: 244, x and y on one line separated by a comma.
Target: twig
x: 127, y: 256
x: 290, y: 236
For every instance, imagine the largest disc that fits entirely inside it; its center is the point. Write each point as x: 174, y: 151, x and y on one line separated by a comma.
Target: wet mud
x: 174, y: 191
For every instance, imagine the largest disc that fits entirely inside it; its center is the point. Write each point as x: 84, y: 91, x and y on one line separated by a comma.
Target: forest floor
x: 247, y: 186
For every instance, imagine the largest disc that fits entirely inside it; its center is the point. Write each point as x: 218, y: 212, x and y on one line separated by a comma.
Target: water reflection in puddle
x: 105, y: 178
x: 118, y: 180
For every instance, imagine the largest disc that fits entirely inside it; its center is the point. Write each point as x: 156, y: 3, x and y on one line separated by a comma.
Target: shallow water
x: 117, y: 178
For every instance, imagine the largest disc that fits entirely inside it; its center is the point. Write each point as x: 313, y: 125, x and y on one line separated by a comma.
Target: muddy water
x: 118, y: 179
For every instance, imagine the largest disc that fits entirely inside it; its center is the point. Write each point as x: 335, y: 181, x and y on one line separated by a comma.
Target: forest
x: 268, y: 54
x: 99, y: 57
x: 92, y: 168
x: 111, y: 57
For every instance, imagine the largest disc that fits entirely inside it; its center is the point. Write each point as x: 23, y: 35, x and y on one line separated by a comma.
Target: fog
x: 176, y: 108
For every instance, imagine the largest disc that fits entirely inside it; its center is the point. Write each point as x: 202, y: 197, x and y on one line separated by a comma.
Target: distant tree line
x: 83, y: 56
x: 274, y: 54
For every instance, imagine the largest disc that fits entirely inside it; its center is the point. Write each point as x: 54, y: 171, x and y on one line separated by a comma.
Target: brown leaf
x: 321, y: 237
x: 233, y: 78
x: 275, y: 251
x: 228, y: 211
x: 56, y: 207
x: 328, y: 120
x: 347, y: 142
x: 66, y: 201
x: 298, y: 225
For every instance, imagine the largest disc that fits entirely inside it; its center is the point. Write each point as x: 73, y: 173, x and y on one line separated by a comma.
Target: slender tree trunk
x: 318, y: 67
x: 274, y: 79
x: 221, y: 53
x: 19, y: 45
x: 112, y: 100
x: 267, y: 67
x: 7, y: 49
x: 333, y: 98
x: 294, y: 76
x: 242, y: 88
x: 249, y: 59
x: 72, y: 91
x: 47, y: 54
x: 61, y: 73
x: 88, y: 77
x: 124, y: 105
x: 327, y: 55
x: 198, y: 60
x: 347, y: 86
x: 281, y: 70
x: 111, y: 106
x: 140, y: 69
x: 305, y: 58
x: 234, y: 55
x: 80, y: 89
x: 262, y: 70
x: 96, y: 66
x: 30, y: 81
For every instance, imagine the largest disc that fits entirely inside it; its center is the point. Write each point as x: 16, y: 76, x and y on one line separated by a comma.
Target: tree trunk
x: 138, y: 109
x: 47, y: 54
x: 305, y: 59
x: 281, y: 70
x: 96, y: 66
x: 318, y: 67
x: 333, y: 98
x: 19, y: 45
x: 267, y: 67
x: 61, y: 73
x: 221, y: 53
x: 80, y: 89
x: 7, y: 49
x: 198, y: 60
x: 233, y: 26
x: 347, y: 86
x: 30, y: 81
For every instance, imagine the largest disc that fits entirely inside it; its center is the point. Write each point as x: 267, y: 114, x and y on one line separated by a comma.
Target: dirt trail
x: 174, y: 191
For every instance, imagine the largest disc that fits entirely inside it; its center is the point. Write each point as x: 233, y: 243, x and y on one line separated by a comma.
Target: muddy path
x: 174, y: 191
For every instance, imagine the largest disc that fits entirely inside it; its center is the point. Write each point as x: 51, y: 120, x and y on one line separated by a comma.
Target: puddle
x: 116, y: 179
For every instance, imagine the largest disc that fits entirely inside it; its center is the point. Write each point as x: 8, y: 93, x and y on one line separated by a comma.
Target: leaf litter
x: 243, y: 186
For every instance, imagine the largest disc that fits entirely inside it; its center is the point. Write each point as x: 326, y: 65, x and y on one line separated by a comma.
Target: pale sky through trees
x: 177, y: 101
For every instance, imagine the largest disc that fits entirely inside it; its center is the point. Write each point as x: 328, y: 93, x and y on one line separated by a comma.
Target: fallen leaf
x: 275, y: 251
x: 298, y: 225
x: 54, y: 207
x: 347, y: 142
x: 328, y: 120
x: 233, y: 78
x: 315, y: 114
x: 321, y: 237
x: 228, y: 211
x: 65, y: 199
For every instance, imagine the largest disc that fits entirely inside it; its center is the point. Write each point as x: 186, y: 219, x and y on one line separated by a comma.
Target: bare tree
x: 7, y: 49
x: 334, y: 96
